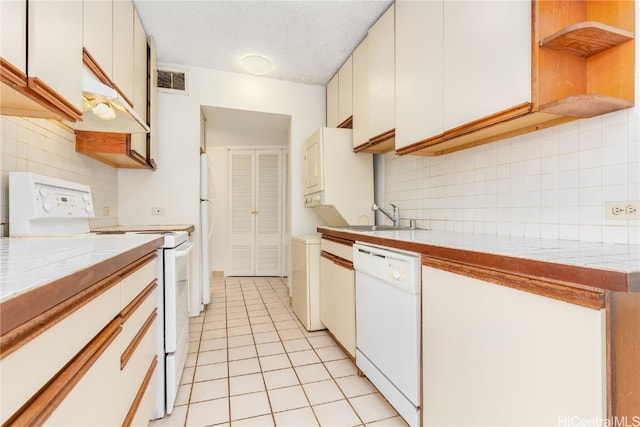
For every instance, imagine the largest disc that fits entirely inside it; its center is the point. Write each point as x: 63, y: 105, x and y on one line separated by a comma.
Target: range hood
x: 98, y: 99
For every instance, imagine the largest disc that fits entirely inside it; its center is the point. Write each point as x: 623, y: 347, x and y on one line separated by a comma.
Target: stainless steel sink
x: 373, y: 227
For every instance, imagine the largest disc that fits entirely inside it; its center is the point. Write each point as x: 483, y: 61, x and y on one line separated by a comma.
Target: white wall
x: 174, y: 185
x: 47, y: 147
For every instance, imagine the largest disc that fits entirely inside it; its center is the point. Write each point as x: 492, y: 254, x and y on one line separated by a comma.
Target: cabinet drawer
x: 50, y: 351
x: 342, y: 250
x: 92, y: 399
x: 138, y: 277
x: 134, y: 373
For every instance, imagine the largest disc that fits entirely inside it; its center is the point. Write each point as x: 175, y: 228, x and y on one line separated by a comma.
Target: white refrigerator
x: 206, y: 228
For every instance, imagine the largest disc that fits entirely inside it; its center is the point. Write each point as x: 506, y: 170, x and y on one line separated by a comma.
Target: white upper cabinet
x: 345, y: 92
x: 333, y: 101
x: 419, y: 71
x: 361, y: 93
x: 123, y: 47
x: 340, y: 97
x: 487, y: 58
x: 13, y: 33
x: 55, y: 50
x: 97, y: 32
x: 382, y: 75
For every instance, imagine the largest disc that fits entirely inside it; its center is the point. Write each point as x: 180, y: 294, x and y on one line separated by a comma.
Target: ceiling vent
x: 172, y: 81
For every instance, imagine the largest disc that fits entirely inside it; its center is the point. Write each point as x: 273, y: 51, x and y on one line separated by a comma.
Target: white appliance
x: 173, y: 306
x: 388, y: 325
x: 305, y: 280
x: 40, y: 205
x: 44, y: 206
x: 206, y: 231
x: 338, y: 183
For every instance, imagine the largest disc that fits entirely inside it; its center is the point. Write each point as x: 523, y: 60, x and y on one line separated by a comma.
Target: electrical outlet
x: 157, y: 211
x: 622, y: 210
x: 106, y: 211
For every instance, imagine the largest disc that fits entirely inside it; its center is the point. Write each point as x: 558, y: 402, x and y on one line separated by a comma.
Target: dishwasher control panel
x: 398, y: 268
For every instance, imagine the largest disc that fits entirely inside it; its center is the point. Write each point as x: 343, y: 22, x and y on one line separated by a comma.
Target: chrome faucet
x: 396, y: 213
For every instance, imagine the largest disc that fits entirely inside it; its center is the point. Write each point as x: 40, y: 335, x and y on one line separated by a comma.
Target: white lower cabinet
x: 93, y: 367
x: 337, y: 293
x: 493, y: 355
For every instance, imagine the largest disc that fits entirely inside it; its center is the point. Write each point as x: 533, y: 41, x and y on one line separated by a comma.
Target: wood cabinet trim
x: 337, y: 260
x: 11, y: 75
x: 347, y: 123
x: 20, y: 335
x: 54, y: 99
x: 137, y: 265
x: 95, y: 68
x: 487, y: 122
x: 137, y: 339
x: 37, y: 410
x: 21, y: 309
x: 623, y: 347
x: 593, y: 299
x: 52, y: 104
x: 144, y: 386
x: 126, y: 312
x: 339, y: 240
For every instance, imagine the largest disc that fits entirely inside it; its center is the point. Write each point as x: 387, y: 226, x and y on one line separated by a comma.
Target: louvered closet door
x: 255, y: 213
x: 268, y: 213
x: 241, y: 259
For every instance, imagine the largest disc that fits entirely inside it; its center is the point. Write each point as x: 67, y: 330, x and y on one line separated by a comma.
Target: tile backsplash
x: 551, y: 183
x: 47, y: 147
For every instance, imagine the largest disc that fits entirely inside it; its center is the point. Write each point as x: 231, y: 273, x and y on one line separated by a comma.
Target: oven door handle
x: 184, y: 252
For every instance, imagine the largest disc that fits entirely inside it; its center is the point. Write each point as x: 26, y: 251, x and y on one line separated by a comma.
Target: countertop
x: 144, y: 228
x: 601, y: 265
x: 45, y: 265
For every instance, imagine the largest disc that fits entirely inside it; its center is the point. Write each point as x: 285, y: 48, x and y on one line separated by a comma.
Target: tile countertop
x: 145, y: 228
x: 27, y: 263
x: 618, y: 260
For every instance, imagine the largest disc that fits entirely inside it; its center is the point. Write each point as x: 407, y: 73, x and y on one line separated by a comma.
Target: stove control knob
x: 44, y: 192
x: 47, y: 207
x: 87, y: 208
x: 85, y: 197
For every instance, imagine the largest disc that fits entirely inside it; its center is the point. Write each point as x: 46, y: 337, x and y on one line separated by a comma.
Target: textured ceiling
x: 307, y: 41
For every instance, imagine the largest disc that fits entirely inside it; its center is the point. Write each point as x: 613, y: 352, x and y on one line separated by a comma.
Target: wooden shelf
x: 585, y: 106
x: 586, y: 39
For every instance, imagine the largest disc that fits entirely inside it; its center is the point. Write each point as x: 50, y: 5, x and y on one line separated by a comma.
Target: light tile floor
x: 252, y: 363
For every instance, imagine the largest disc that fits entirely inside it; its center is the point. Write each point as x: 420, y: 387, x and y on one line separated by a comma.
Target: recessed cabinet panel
x: 382, y: 75
x: 345, y: 92
x: 361, y: 93
x: 487, y: 58
x: 332, y: 102
x: 139, y: 68
x: 55, y: 47
x: 13, y: 33
x: 98, y: 32
x: 123, y: 49
x: 419, y: 71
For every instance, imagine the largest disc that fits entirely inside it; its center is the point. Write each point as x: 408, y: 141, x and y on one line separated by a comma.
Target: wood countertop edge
x: 18, y: 310
x: 570, y: 275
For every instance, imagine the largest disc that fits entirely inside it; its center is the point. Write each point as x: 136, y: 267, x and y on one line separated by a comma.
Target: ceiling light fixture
x: 256, y: 64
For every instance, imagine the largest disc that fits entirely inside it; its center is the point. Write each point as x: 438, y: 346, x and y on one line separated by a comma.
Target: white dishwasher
x: 388, y: 324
